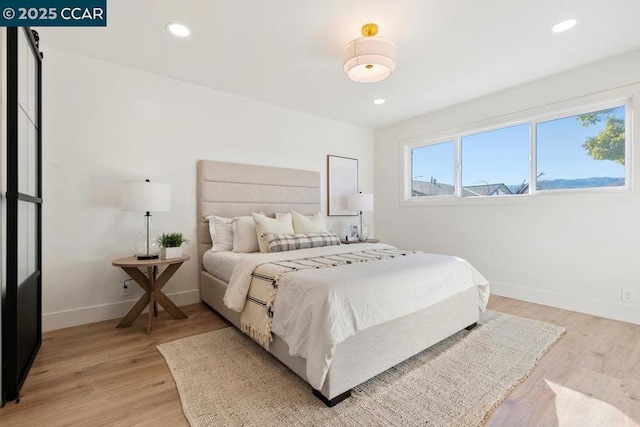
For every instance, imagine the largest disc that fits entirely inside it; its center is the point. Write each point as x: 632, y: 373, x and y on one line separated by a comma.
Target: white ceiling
x: 289, y: 52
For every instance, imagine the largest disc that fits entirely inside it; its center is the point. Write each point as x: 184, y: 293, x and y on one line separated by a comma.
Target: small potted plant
x: 171, y: 244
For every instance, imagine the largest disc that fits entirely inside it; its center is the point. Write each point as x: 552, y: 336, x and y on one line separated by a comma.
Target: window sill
x: 555, y: 197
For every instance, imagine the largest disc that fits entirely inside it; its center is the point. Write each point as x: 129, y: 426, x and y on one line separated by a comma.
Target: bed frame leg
x: 332, y: 402
x: 470, y: 327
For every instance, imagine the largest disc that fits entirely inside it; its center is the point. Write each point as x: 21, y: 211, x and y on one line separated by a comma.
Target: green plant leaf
x: 171, y: 240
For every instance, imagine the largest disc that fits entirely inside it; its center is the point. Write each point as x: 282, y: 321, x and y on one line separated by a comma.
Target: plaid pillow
x: 290, y: 242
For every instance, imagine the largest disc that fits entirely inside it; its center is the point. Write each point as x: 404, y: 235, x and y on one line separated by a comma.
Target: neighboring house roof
x: 424, y: 188
x: 485, y: 190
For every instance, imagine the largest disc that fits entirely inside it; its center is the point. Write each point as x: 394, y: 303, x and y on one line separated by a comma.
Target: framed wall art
x: 342, y: 177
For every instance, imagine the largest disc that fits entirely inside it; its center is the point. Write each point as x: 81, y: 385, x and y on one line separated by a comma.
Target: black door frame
x: 15, y: 362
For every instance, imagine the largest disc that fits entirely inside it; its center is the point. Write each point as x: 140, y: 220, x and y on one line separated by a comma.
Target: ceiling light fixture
x: 379, y: 101
x: 370, y: 58
x: 565, y: 25
x: 178, y: 29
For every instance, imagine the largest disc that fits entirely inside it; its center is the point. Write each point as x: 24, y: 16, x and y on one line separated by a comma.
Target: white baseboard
x: 611, y: 310
x: 98, y: 313
x: 617, y: 311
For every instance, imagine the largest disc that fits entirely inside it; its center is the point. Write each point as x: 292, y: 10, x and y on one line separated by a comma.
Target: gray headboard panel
x: 236, y: 189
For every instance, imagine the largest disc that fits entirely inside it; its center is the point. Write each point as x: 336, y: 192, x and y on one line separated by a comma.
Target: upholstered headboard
x: 236, y: 189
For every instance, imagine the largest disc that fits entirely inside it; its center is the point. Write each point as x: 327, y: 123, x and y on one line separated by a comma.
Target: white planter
x: 169, y: 253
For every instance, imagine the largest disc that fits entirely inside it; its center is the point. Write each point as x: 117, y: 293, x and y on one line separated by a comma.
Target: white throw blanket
x: 255, y: 319
x: 236, y: 294
x: 368, y: 294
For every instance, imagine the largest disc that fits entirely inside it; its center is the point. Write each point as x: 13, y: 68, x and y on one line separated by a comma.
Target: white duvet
x: 315, y: 310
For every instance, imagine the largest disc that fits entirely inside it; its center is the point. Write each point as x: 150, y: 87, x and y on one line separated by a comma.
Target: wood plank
x: 151, y: 274
x: 590, y: 377
x: 135, y: 262
x: 135, y: 311
x: 166, y: 275
x: 169, y: 306
x: 139, y: 277
x: 99, y: 375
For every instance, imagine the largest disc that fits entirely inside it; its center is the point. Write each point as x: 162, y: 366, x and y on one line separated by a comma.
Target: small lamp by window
x: 146, y: 197
x: 361, y: 202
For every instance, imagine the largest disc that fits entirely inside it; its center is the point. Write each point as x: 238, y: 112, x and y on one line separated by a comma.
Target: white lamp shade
x: 146, y: 196
x: 370, y: 59
x: 360, y: 202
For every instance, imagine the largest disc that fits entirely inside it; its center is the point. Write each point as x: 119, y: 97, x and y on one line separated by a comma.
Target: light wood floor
x: 94, y: 375
x: 591, y: 377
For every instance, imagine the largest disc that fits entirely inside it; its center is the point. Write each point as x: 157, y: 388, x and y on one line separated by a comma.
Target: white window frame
x: 456, y: 162
x: 626, y: 103
x: 483, y: 130
x: 407, y: 199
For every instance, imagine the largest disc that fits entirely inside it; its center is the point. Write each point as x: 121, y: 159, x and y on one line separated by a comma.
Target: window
x: 496, y: 162
x: 433, y: 170
x: 582, y: 149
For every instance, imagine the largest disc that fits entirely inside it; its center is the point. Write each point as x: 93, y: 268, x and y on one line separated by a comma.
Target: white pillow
x: 221, y: 233
x: 303, y: 224
x: 266, y: 225
x: 244, y: 235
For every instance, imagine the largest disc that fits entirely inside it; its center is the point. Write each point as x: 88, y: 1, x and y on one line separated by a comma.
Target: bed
x: 233, y: 189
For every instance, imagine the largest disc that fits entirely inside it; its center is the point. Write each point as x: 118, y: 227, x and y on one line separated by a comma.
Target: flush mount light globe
x: 370, y: 58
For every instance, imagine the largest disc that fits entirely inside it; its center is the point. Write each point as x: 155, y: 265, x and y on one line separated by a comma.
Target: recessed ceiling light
x: 379, y: 101
x: 565, y: 25
x: 178, y: 29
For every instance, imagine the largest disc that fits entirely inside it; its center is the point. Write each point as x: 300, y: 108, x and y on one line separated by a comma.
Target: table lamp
x: 361, y: 202
x: 146, y: 196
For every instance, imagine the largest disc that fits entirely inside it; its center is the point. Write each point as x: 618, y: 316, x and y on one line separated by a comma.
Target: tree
x: 608, y: 144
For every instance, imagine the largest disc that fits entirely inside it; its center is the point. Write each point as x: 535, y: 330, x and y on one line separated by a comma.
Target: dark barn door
x: 22, y: 299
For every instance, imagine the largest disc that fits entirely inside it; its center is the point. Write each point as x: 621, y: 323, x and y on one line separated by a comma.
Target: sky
x: 502, y: 155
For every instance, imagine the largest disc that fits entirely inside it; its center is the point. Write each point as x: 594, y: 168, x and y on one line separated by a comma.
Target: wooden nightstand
x: 152, y: 285
x: 344, y: 242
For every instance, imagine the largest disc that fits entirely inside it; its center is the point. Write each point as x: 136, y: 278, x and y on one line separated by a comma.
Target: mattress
x: 221, y: 264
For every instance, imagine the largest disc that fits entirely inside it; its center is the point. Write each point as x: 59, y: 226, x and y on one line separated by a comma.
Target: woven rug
x: 457, y: 382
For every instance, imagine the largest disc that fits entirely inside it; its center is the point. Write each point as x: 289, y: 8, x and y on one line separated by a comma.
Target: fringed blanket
x: 255, y: 319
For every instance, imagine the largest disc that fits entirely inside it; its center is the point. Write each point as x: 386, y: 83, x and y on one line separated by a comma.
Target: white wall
x: 104, y: 124
x: 574, y: 252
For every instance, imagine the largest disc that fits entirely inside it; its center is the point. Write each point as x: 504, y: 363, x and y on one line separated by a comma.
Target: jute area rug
x: 225, y: 379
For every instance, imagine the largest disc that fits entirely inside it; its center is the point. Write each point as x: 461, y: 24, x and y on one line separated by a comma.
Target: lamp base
x: 364, y: 231
x: 146, y: 245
